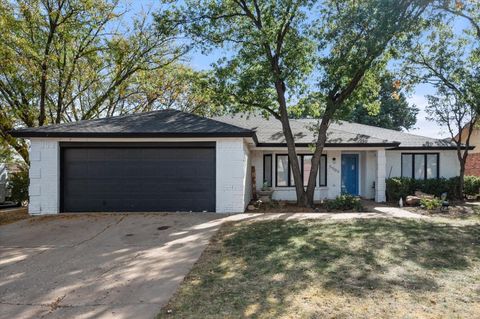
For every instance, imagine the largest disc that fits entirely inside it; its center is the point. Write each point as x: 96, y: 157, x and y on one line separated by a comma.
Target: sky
x: 201, y: 61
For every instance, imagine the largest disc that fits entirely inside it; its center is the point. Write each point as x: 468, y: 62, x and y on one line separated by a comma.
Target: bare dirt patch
x: 456, y: 210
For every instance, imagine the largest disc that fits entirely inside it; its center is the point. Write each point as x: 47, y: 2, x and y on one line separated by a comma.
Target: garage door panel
x: 138, y: 179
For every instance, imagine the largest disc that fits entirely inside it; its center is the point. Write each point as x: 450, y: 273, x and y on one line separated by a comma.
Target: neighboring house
x: 472, y: 166
x: 174, y: 161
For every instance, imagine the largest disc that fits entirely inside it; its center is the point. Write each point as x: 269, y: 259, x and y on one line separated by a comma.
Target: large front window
x: 284, y: 173
x: 420, y: 165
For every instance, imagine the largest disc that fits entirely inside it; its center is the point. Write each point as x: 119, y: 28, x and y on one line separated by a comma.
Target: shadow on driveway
x: 98, y: 265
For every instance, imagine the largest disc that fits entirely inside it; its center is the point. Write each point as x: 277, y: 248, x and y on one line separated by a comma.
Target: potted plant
x: 265, y: 194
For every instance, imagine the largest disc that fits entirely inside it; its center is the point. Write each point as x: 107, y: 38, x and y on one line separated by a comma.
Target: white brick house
x: 174, y: 161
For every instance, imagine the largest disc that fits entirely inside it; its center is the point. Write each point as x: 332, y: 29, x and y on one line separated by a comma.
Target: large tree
x: 278, y: 48
x: 66, y: 60
x: 449, y: 59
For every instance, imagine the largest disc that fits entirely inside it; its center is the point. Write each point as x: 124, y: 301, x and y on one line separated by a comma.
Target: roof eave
x: 431, y: 148
x: 333, y: 145
x: 30, y: 134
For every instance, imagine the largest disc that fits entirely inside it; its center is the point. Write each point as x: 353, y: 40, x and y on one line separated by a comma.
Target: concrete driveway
x: 98, y: 265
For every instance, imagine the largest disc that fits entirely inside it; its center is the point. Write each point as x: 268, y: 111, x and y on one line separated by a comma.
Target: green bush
x: 344, y: 202
x: 401, y: 187
x: 472, y: 185
x: 18, y: 183
x: 431, y: 204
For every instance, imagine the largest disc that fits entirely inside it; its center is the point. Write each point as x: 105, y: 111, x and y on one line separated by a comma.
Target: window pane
x: 307, y: 167
x: 323, y: 176
x: 407, y: 165
x: 282, y: 170
x: 292, y: 181
x: 267, y: 167
x: 432, y: 168
x: 419, y: 166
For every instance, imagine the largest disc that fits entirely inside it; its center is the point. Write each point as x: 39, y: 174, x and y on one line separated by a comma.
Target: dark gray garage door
x: 126, y: 179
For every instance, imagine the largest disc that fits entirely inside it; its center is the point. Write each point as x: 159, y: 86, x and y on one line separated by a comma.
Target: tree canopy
x: 282, y: 52
x: 70, y: 60
x: 448, y: 58
x: 394, y: 111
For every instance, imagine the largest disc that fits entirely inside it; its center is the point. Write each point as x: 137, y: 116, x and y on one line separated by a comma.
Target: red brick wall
x: 472, y: 167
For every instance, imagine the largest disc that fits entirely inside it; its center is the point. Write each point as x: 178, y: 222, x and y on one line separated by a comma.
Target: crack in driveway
x: 100, y: 232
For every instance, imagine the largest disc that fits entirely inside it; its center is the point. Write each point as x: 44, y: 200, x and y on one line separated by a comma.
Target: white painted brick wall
x: 334, y: 173
x: 370, y: 174
x: 380, y: 187
x: 247, y: 195
x: 44, y: 177
x: 232, y: 174
x: 233, y: 161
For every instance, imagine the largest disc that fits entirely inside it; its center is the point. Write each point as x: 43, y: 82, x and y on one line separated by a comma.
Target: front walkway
x: 378, y: 212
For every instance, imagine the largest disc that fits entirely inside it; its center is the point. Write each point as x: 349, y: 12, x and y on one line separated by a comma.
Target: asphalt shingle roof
x: 268, y: 132
x: 339, y: 132
x: 163, y: 123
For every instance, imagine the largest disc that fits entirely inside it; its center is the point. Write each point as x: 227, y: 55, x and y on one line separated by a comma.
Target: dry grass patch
x: 375, y: 268
x: 13, y: 215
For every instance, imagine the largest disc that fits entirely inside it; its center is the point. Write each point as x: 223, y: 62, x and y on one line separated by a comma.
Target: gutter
x: 332, y: 145
x: 30, y: 134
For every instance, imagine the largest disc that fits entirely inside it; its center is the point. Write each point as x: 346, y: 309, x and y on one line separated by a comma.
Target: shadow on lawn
x: 258, y: 267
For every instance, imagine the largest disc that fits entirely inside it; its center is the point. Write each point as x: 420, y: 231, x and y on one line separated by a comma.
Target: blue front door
x: 350, y: 174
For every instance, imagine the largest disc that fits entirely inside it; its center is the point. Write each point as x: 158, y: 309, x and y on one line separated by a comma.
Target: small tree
x: 459, y: 118
x: 449, y: 60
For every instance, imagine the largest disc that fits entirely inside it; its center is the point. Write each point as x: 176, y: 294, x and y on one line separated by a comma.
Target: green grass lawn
x: 371, y: 268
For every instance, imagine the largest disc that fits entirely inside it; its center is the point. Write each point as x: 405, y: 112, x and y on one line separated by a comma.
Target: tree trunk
x: 462, y: 158
x: 461, y: 184
x: 317, y: 154
x: 43, y: 94
x: 292, y: 153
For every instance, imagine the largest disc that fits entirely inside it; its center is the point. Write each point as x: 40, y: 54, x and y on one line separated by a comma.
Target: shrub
x: 344, y: 202
x: 18, y: 183
x: 472, y: 185
x: 401, y: 187
x: 431, y: 203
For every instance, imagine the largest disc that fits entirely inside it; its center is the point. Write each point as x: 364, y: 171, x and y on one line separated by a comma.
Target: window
x: 307, y: 167
x: 284, y: 176
x: 282, y: 170
x: 267, y: 170
x: 407, y: 165
x: 432, y: 166
x: 323, y: 170
x: 420, y: 165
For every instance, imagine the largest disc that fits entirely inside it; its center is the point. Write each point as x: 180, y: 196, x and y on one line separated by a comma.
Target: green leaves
x: 68, y: 60
x: 391, y: 109
x: 447, y: 58
x: 258, y: 35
